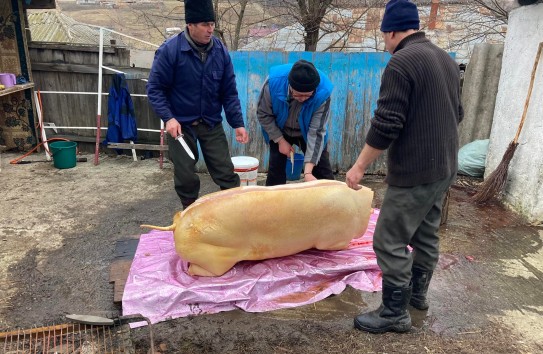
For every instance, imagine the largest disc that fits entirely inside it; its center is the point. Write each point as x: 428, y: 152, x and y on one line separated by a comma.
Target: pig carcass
x: 256, y: 222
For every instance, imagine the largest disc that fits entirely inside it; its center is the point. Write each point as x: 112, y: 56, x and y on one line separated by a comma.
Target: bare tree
x: 477, y: 21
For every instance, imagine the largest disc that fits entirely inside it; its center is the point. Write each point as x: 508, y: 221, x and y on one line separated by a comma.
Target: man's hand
x: 354, y: 176
x: 285, y: 148
x: 173, y: 128
x: 241, y: 135
x: 309, y: 177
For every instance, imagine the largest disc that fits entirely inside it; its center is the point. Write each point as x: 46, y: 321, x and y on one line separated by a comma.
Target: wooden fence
x: 356, y: 78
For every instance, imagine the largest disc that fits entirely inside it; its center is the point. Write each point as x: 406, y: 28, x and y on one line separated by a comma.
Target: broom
x: 495, y: 183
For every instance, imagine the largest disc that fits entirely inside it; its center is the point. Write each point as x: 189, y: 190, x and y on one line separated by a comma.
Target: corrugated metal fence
x: 356, y: 78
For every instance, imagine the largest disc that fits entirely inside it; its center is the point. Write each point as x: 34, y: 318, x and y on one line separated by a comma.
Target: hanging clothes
x: 121, y: 116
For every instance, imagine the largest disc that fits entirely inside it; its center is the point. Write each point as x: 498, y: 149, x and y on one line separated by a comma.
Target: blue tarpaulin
x: 121, y: 116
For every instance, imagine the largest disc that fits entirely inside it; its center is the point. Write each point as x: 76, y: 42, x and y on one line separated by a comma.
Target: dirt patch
x: 58, y: 230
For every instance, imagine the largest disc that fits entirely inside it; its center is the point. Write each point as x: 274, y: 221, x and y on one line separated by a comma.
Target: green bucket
x: 63, y: 152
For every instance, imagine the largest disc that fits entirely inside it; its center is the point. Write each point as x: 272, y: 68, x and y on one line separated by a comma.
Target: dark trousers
x: 278, y: 163
x: 216, y: 155
x: 409, y: 216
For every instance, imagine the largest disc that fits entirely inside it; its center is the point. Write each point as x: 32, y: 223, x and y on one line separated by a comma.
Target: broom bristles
x: 495, y: 183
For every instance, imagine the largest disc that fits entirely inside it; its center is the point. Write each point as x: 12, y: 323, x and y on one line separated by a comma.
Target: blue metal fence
x: 356, y: 78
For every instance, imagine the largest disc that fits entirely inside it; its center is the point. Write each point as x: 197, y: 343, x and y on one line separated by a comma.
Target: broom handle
x: 527, y: 103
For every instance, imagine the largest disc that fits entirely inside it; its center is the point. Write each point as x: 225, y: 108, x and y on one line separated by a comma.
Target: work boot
x: 391, y: 316
x: 421, y: 280
x: 186, y: 202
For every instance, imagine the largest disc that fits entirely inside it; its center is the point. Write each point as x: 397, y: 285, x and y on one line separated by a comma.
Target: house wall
x: 524, y: 188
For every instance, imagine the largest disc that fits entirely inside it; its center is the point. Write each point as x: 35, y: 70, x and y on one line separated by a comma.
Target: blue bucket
x: 294, y: 174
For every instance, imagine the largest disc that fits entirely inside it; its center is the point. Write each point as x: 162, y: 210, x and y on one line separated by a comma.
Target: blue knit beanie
x: 400, y: 15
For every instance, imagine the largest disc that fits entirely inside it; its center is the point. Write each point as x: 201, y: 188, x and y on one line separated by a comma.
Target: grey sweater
x: 418, y: 112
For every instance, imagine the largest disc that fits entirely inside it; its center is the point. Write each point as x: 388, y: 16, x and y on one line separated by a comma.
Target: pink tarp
x: 159, y: 288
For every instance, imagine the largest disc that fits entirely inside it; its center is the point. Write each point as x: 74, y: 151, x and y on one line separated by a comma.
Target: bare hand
x: 241, y: 135
x: 354, y: 176
x: 285, y: 148
x: 309, y: 177
x: 173, y: 128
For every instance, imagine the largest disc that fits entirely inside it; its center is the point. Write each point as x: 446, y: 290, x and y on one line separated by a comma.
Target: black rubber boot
x: 391, y: 316
x: 421, y: 280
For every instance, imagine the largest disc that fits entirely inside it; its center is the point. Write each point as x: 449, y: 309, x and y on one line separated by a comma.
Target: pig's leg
x: 197, y: 270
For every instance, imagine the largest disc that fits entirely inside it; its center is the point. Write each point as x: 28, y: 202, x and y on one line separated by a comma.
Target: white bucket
x: 247, y: 169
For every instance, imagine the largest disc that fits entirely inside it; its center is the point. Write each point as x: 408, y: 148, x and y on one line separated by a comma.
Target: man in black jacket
x: 417, y: 117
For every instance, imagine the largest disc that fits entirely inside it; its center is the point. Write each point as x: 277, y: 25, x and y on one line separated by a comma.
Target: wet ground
x: 58, y: 230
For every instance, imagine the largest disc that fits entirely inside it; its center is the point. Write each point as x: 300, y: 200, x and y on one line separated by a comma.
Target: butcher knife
x: 185, y: 146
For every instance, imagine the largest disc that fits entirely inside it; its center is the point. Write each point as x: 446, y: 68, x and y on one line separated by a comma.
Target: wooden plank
x: 120, y: 267
x: 16, y: 88
x: 137, y: 146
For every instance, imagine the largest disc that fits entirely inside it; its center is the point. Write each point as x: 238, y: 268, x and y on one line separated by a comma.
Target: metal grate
x: 68, y: 338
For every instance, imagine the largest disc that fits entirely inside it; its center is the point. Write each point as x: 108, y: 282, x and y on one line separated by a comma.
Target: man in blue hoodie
x: 191, y: 81
x: 293, y: 109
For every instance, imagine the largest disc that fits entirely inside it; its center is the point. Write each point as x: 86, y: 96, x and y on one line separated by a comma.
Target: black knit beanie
x: 303, y: 76
x: 197, y: 11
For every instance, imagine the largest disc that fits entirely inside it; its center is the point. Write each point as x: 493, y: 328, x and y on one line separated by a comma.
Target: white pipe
x: 100, y: 65
x: 90, y: 93
x: 111, y: 69
x: 103, y: 128
x: 42, y: 130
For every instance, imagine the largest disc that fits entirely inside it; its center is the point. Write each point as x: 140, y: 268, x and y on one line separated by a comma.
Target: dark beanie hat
x: 303, y: 76
x: 197, y: 11
x: 400, y: 15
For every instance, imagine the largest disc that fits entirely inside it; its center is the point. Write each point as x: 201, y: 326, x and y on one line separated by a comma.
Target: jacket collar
x: 186, y: 43
x: 417, y: 37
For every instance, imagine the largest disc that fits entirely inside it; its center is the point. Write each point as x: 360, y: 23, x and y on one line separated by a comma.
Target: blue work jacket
x: 181, y: 86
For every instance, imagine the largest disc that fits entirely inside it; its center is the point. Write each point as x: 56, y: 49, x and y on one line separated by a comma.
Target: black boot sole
x: 392, y: 328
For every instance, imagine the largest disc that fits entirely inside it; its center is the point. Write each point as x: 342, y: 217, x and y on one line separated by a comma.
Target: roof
x: 54, y: 26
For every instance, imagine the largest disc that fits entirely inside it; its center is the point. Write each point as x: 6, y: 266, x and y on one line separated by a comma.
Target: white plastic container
x: 247, y: 169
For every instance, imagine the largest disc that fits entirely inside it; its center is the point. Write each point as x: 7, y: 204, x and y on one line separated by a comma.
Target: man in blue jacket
x: 293, y: 109
x: 192, y: 79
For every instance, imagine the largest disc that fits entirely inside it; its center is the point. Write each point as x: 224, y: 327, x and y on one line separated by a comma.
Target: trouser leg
x: 277, y: 165
x: 402, y: 213
x: 186, y: 181
x: 216, y: 155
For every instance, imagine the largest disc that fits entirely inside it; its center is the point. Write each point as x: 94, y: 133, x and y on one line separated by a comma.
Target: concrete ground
x: 59, y: 228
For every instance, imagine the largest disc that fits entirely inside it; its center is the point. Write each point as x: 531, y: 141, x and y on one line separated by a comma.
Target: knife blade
x: 292, y: 162
x: 185, y: 146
